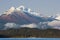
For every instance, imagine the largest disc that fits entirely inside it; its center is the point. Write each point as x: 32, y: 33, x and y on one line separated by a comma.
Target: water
x: 29, y: 38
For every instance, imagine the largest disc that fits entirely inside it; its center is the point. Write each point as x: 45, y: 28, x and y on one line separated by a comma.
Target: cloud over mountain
x: 54, y: 24
x: 58, y: 17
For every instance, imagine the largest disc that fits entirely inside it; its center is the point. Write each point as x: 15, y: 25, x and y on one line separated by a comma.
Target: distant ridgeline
x: 30, y: 33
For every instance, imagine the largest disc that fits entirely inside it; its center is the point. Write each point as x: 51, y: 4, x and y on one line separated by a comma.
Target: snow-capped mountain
x: 20, y: 14
x: 23, y: 16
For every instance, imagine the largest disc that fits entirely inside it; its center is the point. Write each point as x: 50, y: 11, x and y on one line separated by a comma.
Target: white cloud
x: 33, y: 25
x: 40, y: 25
x: 58, y: 18
x: 54, y: 24
x: 29, y: 25
x: 11, y: 25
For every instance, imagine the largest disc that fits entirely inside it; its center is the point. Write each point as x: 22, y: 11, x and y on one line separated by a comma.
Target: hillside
x: 28, y: 32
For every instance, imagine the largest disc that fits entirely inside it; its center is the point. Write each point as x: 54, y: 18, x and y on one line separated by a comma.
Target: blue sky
x: 46, y: 7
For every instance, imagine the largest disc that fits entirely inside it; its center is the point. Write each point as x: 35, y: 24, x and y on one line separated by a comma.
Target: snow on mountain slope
x: 10, y: 11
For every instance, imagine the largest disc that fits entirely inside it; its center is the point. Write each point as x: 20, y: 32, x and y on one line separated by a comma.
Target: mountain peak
x: 10, y: 11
